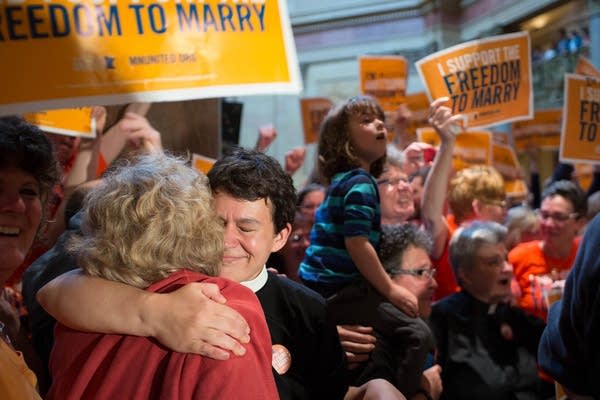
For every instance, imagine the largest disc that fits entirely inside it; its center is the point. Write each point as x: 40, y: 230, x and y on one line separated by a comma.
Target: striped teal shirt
x: 351, y: 208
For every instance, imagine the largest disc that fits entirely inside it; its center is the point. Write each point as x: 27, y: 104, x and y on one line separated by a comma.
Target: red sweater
x: 98, y: 366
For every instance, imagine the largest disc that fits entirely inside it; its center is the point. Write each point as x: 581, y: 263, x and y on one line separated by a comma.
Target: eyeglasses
x: 426, y: 273
x: 392, y: 181
x: 557, y: 217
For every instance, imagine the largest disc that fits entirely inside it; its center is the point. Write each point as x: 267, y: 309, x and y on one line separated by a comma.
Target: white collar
x: 257, y: 283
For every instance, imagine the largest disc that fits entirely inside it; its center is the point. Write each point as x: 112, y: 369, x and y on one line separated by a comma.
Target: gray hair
x: 467, y: 240
x: 396, y: 238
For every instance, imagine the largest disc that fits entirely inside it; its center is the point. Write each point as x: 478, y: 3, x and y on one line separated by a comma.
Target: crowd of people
x: 387, y: 275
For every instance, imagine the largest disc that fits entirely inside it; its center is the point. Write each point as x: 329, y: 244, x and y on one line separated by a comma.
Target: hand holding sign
x: 445, y: 124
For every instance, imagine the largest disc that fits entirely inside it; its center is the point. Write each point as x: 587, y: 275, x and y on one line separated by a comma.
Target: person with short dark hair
x: 28, y: 172
x: 539, y: 263
x: 255, y: 200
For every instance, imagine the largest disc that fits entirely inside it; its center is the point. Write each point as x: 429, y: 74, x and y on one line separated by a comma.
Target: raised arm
x: 436, y: 185
x: 192, y: 319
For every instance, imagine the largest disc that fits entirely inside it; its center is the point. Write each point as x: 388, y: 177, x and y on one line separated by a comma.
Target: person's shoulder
x: 524, y: 250
x: 448, y: 305
x: 295, y: 290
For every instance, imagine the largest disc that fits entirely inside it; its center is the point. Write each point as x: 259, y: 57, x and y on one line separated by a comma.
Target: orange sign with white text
x: 384, y: 77
x: 69, y: 122
x: 542, y: 131
x: 473, y: 147
x: 313, y: 109
x: 487, y: 80
x: 580, y: 139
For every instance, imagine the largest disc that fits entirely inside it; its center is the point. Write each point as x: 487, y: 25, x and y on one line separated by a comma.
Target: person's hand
x: 431, y: 381
x: 404, y: 300
x: 445, y: 124
x: 358, y: 342
x: 266, y: 136
x: 413, y: 156
x: 196, y: 319
x: 140, y: 134
x: 294, y: 159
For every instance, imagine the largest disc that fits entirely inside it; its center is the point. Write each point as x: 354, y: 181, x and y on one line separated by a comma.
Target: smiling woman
x: 28, y: 170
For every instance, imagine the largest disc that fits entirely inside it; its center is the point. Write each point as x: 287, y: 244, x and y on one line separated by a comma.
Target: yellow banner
x: 585, y: 67
x: 579, y: 141
x: 506, y: 162
x: 487, y: 80
x: 60, y: 54
x: 473, y: 147
x: 542, y: 131
x: 201, y: 163
x: 70, y: 122
x: 313, y: 110
x: 384, y: 77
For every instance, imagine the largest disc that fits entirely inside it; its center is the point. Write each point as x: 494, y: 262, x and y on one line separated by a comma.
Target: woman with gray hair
x: 151, y: 225
x: 486, y: 348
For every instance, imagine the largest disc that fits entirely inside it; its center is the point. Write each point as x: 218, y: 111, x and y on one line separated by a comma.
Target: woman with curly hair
x: 151, y: 225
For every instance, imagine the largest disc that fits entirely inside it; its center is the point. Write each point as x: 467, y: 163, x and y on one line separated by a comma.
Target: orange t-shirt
x: 445, y: 274
x: 533, y: 270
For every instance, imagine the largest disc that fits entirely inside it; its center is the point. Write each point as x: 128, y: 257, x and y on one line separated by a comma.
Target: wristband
x: 424, y: 393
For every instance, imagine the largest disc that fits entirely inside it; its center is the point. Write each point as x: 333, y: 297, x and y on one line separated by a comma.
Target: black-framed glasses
x: 392, y: 181
x: 426, y: 273
x: 557, y: 217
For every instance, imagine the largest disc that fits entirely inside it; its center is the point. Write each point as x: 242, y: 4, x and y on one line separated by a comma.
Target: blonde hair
x: 148, y: 219
x: 481, y: 182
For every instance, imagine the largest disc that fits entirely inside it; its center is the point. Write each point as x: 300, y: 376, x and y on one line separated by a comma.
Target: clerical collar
x: 257, y: 283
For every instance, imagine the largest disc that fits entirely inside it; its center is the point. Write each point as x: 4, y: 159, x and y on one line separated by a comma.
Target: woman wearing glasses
x: 486, y: 347
x: 539, y: 263
x: 403, y: 344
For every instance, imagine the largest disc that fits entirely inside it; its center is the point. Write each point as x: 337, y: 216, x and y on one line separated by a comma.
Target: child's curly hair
x: 335, y: 152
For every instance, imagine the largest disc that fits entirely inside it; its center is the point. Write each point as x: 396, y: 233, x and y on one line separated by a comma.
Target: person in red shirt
x: 151, y: 224
x: 540, y: 263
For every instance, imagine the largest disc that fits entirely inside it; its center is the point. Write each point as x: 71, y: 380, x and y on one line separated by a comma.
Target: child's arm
x: 365, y: 258
x: 190, y: 319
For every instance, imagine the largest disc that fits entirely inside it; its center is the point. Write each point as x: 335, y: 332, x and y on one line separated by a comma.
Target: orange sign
x: 473, y: 147
x: 585, y: 67
x: 313, y: 110
x: 63, y: 53
x: 69, y: 122
x: 542, y: 131
x: 487, y: 80
x: 580, y: 139
x: 201, y: 163
x: 384, y: 77
x: 506, y: 162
